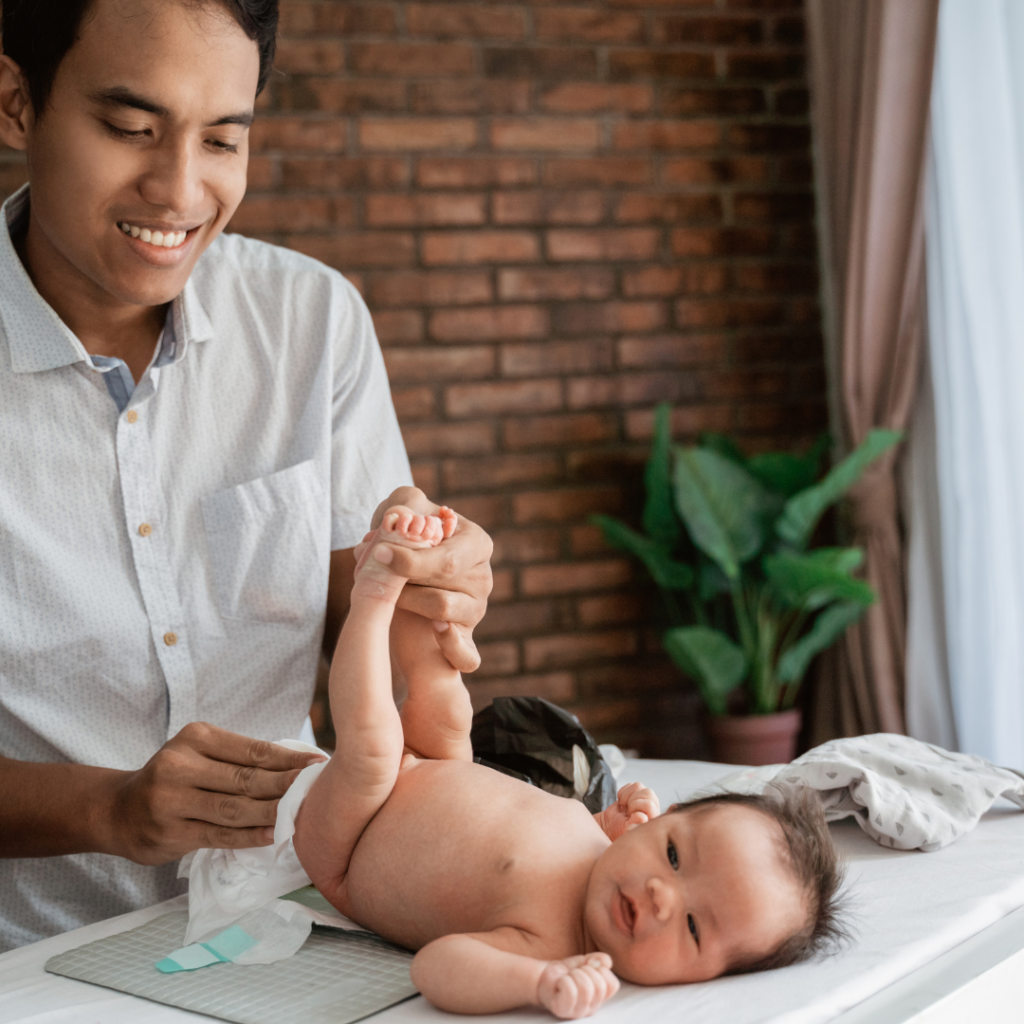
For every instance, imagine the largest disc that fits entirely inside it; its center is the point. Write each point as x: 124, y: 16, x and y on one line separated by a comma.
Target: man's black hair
x: 38, y: 33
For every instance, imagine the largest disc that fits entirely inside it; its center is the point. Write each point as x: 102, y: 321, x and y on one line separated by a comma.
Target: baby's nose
x: 663, y: 899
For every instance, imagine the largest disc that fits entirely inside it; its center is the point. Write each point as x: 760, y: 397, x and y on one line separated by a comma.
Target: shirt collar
x: 37, y: 338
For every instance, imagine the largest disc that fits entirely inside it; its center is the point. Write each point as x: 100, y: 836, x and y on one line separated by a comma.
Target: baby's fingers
x: 636, y: 818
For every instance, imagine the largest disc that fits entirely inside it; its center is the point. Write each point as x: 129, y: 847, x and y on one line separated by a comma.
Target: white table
x: 949, y: 958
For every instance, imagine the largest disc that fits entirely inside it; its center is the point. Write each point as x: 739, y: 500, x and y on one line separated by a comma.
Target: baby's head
x: 723, y: 885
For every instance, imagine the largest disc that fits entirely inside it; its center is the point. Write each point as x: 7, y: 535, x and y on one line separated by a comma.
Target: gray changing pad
x: 336, y: 978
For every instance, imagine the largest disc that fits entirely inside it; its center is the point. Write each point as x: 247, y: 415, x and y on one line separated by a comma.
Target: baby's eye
x: 673, y: 858
x: 692, y: 925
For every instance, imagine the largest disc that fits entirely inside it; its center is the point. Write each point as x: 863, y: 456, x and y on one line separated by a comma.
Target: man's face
x: 687, y: 895
x: 145, y: 131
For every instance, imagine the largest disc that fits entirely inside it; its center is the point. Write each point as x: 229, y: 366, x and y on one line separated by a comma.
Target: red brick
x: 574, y: 577
x: 666, y: 135
x: 687, y: 101
x: 597, y: 98
x: 449, y: 439
x: 723, y: 242
x: 262, y: 173
x: 779, y: 417
x: 589, y: 540
x: 362, y: 249
x: 745, y: 384
x: 504, y: 583
x: 687, y: 421
x: 344, y: 173
x: 489, y: 323
x: 762, y: 65
x: 769, y: 136
x: 789, y: 31
x: 718, y: 31
x: 570, y: 24
x: 429, y: 363
x: 296, y: 134
x: 406, y: 59
x: 598, y: 170
x: 660, y: 64
x: 606, y: 244
x: 675, y: 280
x: 545, y: 134
x: 475, y: 172
x: 611, y: 610
x: 597, y: 465
x: 564, y: 505
x: 479, y: 247
x: 472, y: 96
x: 431, y: 210
x: 792, y: 102
x: 465, y: 21
x: 632, y: 389
x: 498, y: 658
x: 539, y: 63
x: 554, y: 686
x: 776, y: 277
x: 639, y: 208
x: 519, y: 546
x: 796, y: 170
x: 773, y: 207
x: 302, y: 18
x: 498, y: 397
x: 398, y: 326
x: 665, y: 3
x: 500, y: 471
x: 424, y: 476
x: 292, y: 213
x: 586, y: 283
x: 590, y: 318
x: 576, y: 648
x: 555, y: 357
x: 548, y: 207
x: 341, y: 96
x: 565, y: 431
x: 398, y: 133
x: 488, y: 512
x: 520, y: 617
x: 296, y: 57
x: 430, y: 288
x: 672, y: 350
x: 694, y: 171
x: 413, y: 403
x: 734, y: 313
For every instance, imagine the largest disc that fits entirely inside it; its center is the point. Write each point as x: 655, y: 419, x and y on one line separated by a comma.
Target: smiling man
x: 195, y: 430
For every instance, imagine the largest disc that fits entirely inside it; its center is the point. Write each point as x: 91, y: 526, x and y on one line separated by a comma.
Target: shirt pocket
x: 269, y: 542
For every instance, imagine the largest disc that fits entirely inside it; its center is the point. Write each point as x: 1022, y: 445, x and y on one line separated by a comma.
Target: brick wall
x: 559, y: 214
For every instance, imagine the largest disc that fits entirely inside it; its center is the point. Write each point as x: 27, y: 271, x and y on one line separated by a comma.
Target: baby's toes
x: 449, y: 520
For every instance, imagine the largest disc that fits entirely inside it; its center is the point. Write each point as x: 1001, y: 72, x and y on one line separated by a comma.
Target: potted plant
x: 750, y: 602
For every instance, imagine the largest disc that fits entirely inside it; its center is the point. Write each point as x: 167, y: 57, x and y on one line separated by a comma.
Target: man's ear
x: 15, y: 105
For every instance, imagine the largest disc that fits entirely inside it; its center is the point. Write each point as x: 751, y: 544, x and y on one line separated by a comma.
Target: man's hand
x: 635, y: 805
x: 204, y: 787
x: 448, y: 584
x: 577, y: 986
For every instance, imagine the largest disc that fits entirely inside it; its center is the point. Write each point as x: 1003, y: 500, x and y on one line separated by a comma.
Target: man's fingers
x: 234, y: 812
x: 238, y: 780
x: 442, y: 605
x: 231, y: 748
x: 224, y: 838
x: 456, y: 643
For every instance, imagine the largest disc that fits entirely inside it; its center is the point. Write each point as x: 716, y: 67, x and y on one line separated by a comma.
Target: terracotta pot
x: 754, y: 739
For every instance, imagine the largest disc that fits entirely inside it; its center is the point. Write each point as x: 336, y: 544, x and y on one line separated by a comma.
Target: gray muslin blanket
x: 905, y: 794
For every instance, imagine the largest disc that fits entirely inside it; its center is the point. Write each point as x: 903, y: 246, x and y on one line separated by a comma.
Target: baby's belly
x: 451, y: 851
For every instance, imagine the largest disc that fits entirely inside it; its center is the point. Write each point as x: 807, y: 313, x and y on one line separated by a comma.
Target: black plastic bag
x: 532, y: 739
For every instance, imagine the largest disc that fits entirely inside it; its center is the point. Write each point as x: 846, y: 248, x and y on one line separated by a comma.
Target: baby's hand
x: 635, y: 805
x: 577, y: 986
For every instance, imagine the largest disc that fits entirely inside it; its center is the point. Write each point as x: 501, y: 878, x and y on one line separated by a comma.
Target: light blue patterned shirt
x: 164, y: 555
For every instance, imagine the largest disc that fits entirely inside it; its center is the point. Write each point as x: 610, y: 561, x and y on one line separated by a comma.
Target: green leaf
x: 817, y: 579
x: 660, y: 520
x: 724, y: 446
x: 827, y: 628
x: 722, y: 506
x: 665, y: 571
x: 711, y: 582
x: 716, y: 664
x: 803, y: 510
x: 783, y: 472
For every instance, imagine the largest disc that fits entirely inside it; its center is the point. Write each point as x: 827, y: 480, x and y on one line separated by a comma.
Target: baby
x: 511, y: 895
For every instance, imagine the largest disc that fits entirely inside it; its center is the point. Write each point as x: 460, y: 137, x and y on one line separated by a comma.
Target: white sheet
x: 907, y: 908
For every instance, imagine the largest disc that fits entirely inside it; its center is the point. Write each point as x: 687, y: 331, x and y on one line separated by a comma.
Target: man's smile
x: 169, y: 238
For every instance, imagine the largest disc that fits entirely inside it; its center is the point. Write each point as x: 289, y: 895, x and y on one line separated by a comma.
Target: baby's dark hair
x: 811, y: 857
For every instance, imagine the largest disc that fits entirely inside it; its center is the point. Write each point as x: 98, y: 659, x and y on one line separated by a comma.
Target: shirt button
x: 145, y: 530
x: 132, y: 416
x: 170, y: 639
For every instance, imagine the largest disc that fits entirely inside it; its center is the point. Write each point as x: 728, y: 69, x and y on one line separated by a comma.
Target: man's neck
x: 123, y: 331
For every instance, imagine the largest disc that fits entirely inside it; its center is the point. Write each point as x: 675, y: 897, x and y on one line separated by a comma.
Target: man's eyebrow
x: 119, y: 96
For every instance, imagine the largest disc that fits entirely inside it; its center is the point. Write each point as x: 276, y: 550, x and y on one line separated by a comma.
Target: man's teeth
x: 169, y: 241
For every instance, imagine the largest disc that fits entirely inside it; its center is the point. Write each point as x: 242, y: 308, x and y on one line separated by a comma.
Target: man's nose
x: 173, y: 179
x: 663, y: 898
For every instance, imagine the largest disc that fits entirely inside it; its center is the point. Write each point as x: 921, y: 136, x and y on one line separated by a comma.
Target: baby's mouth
x: 628, y: 912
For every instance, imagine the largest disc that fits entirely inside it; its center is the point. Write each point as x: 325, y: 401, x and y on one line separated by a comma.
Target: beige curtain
x: 871, y: 73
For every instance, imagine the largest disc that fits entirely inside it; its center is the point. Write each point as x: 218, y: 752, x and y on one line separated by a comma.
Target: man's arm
x: 204, y: 787
x: 478, y: 974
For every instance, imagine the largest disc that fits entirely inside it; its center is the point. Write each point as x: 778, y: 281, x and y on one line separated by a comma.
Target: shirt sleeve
x: 368, y: 459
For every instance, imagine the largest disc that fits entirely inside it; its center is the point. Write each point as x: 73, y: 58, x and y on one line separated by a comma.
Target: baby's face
x: 687, y: 895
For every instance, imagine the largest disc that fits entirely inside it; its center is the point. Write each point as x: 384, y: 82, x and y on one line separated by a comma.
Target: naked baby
x: 513, y: 896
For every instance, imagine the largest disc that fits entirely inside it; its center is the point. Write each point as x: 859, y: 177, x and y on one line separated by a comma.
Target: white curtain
x: 975, y: 232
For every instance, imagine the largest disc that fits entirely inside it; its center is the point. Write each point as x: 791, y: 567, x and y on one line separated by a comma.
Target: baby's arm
x: 479, y: 974
x: 635, y: 805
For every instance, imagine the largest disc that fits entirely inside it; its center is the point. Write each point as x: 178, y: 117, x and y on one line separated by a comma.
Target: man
x: 195, y: 430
